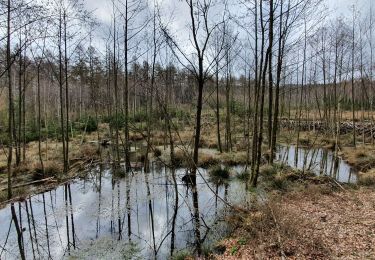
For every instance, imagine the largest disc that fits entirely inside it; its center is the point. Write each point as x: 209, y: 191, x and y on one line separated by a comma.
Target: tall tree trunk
x: 61, y: 84
x: 150, y: 97
x: 24, y: 101
x: 218, y: 108
x: 126, y: 93
x: 278, y: 80
x: 115, y: 83
x: 39, y: 120
x: 256, y: 89
x: 255, y: 174
x: 228, y: 136
x: 353, y: 96
x: 10, y: 109
x: 19, y: 114
x: 66, y: 166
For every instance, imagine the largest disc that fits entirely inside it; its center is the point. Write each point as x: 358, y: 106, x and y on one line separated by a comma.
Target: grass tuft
x: 51, y: 169
x: 219, y: 172
x: 367, y: 178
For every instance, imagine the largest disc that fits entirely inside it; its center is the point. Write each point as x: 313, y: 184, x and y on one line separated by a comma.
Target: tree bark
x: 10, y: 109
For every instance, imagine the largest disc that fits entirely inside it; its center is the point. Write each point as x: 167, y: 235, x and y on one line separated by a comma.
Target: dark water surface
x: 103, y: 217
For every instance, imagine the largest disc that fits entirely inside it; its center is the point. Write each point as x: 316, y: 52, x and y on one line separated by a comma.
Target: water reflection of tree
x: 99, y: 192
x: 69, y: 214
x: 46, y: 226
x: 18, y: 230
x: 6, y: 239
x: 128, y: 203
x: 150, y: 210
x: 29, y: 228
x: 175, y: 210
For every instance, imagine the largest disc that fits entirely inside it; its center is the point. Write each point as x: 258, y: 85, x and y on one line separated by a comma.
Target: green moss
x: 234, y: 250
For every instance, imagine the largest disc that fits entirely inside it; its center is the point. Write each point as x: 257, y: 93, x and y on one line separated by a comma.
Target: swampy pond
x: 142, y: 215
x: 105, y: 217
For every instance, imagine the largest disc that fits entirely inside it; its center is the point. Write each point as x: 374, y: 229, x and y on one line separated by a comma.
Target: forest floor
x: 310, y: 223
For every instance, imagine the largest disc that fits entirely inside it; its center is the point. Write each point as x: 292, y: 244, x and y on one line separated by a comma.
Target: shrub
x: 243, y: 175
x: 279, y: 182
x: 219, y: 172
x: 92, y: 125
x: 138, y: 117
x: 4, y: 139
x: 268, y: 170
x: 86, y: 123
x: 113, y: 121
x: 238, y: 108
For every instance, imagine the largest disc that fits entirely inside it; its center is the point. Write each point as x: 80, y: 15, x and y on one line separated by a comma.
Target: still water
x: 319, y: 161
x: 140, y: 216
x: 145, y: 215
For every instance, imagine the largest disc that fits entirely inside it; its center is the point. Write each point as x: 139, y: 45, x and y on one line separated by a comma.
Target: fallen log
x: 31, y: 183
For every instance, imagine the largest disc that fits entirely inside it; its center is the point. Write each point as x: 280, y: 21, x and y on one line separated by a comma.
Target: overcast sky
x: 102, y: 10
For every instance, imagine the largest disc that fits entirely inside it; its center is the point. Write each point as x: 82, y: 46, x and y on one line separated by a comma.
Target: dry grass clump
x: 328, y: 143
x: 283, y: 178
x: 232, y: 159
x: 21, y: 169
x: 180, y: 158
x: 157, y: 138
x: 207, y: 160
x: 367, y: 178
x: 208, y: 142
x: 241, y: 145
x: 135, y: 137
x: 16, y: 192
x: 3, y: 196
x: 268, y: 170
x: 362, y: 157
x: 88, y: 151
x: 51, y: 169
